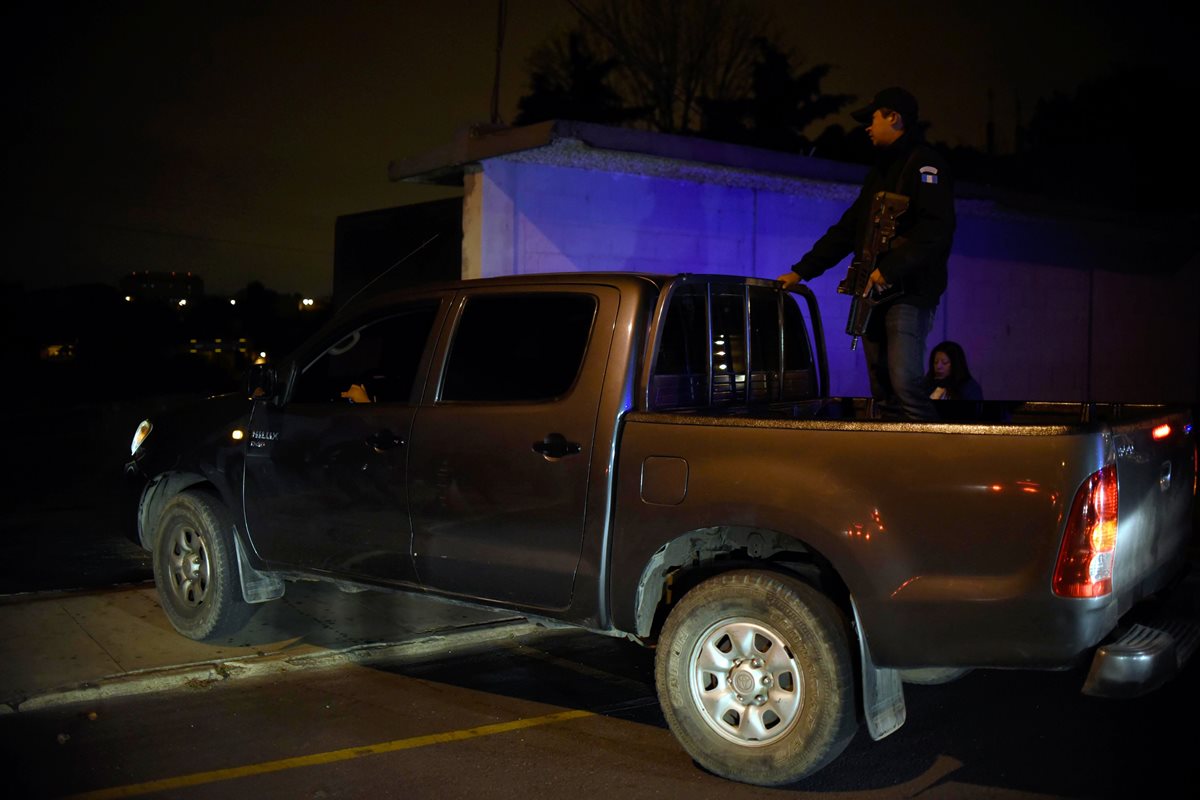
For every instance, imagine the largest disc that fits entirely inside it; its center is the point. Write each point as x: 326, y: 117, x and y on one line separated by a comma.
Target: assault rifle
x: 886, y: 208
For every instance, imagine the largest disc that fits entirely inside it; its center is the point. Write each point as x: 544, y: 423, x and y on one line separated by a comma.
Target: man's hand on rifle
x: 788, y: 279
x: 876, y: 282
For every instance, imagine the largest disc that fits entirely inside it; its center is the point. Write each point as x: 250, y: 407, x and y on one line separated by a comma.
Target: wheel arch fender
x: 755, y: 676
x: 695, y: 555
x: 155, y: 496
x: 257, y: 585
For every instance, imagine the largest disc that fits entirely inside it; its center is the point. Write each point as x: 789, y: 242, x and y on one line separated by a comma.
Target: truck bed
x: 951, y: 528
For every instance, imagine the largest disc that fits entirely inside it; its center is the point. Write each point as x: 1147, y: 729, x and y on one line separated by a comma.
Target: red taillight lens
x: 1085, y: 562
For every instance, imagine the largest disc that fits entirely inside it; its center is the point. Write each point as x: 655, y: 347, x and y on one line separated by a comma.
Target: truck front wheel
x: 754, y: 677
x: 195, y: 568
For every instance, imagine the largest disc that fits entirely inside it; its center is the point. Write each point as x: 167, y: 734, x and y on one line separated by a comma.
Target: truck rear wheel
x: 195, y: 568
x: 754, y: 677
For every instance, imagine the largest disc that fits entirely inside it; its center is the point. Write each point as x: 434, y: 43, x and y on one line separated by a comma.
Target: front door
x: 325, y: 486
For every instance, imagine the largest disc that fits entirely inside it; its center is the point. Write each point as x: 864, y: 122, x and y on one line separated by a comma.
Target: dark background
x: 236, y: 142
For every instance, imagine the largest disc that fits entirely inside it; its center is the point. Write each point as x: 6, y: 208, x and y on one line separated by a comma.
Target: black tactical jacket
x: 924, y: 232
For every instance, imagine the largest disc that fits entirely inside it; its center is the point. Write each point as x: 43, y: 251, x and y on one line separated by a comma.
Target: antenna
x: 369, y: 283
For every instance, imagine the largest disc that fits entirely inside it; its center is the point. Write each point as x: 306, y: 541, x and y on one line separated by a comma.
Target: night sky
x: 225, y: 138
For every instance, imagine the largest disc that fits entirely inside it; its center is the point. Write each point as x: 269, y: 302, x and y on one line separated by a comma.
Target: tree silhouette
x: 781, y: 104
x: 1093, y: 148
x: 679, y: 66
x: 672, y: 53
x: 712, y: 68
x: 1096, y: 146
x: 572, y: 82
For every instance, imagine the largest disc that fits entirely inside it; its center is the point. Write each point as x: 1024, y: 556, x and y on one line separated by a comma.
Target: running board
x: 1142, y: 659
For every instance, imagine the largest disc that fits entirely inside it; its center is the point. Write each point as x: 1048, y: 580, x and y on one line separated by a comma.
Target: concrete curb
x: 204, y: 675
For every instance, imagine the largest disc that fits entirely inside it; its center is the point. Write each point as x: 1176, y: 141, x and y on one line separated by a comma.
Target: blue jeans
x: 894, y: 346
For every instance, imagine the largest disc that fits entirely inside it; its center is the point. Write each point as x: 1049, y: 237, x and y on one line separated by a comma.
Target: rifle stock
x: 886, y: 208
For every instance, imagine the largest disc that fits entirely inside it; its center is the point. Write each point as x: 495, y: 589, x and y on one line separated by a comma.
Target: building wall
x: 1038, y: 318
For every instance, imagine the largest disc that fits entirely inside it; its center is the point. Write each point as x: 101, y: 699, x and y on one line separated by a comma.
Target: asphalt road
x: 571, y: 714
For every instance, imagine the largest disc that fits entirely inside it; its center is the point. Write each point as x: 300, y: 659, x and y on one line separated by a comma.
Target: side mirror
x: 261, y: 382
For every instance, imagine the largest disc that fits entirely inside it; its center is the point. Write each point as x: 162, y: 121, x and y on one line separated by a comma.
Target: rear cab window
x: 727, y: 344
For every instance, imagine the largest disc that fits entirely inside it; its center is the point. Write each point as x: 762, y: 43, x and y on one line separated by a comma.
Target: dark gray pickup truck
x: 656, y: 457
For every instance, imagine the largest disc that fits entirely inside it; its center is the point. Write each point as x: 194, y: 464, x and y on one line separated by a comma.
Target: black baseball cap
x: 893, y: 97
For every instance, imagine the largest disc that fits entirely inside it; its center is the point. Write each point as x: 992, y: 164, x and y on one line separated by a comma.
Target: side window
x: 765, y: 342
x: 797, y: 352
x: 728, y: 344
x: 680, y: 377
x: 518, y: 348
x: 382, y: 357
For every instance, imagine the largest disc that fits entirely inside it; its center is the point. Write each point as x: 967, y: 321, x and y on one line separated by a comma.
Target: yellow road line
x: 199, y: 778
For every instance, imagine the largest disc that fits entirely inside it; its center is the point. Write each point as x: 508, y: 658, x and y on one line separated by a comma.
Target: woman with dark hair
x: 949, y: 377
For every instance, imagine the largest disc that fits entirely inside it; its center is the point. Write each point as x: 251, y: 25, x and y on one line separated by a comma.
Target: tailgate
x: 1156, y: 479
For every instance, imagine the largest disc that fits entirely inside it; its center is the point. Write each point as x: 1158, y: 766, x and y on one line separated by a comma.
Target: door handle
x: 384, y: 440
x: 555, y: 446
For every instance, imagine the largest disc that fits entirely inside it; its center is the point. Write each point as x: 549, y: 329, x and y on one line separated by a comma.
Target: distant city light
x: 128, y: 299
x: 232, y: 302
x: 183, y: 302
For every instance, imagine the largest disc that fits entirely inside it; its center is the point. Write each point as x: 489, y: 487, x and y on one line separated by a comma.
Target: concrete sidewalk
x: 80, y: 646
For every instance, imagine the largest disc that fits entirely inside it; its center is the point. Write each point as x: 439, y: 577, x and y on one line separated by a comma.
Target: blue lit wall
x: 1045, y: 309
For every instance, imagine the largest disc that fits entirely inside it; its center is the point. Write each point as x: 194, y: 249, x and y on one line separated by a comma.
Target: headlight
x: 143, y: 430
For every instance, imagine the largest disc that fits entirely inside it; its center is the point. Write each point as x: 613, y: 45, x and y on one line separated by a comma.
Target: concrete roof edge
x: 709, y: 151
x: 470, y: 144
x: 474, y: 143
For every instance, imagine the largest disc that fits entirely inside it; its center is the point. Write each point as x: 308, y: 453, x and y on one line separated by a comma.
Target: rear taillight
x: 1085, y: 562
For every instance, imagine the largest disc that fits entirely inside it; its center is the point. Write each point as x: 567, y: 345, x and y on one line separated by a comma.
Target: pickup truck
x: 657, y: 457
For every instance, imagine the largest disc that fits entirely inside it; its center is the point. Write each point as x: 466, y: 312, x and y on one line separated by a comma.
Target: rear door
x: 500, y: 452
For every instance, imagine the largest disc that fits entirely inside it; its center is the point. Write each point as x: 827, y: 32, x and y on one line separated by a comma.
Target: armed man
x: 906, y: 277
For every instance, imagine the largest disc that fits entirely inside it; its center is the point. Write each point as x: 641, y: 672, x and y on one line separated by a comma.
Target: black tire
x: 754, y: 677
x: 195, y: 568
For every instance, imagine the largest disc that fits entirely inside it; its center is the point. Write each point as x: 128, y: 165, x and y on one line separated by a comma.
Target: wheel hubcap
x: 746, y: 682
x: 189, y: 566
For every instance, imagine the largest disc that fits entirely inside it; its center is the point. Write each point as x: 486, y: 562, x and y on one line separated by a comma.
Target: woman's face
x: 941, y: 366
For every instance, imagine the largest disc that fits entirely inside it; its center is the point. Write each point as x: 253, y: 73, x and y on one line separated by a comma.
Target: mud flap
x: 257, y: 587
x: 882, y: 690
